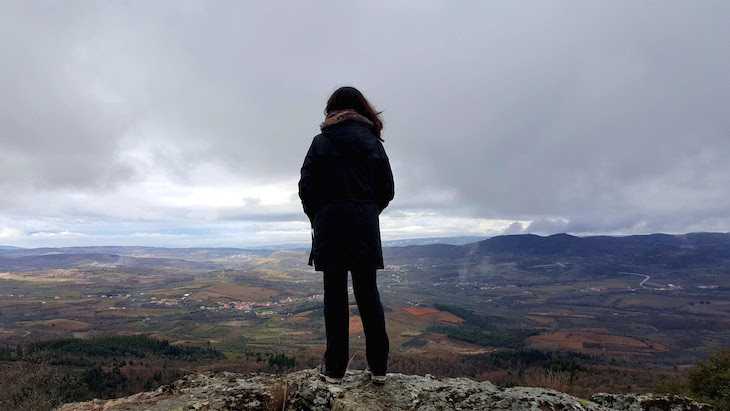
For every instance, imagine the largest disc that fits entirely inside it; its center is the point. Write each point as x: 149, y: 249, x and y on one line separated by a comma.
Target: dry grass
x: 559, y: 381
x: 334, y: 404
x: 279, y: 396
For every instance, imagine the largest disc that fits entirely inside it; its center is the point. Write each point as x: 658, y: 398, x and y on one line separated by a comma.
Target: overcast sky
x: 172, y: 123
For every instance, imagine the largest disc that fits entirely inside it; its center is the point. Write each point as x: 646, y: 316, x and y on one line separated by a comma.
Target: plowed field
x: 433, y: 315
x: 593, y: 339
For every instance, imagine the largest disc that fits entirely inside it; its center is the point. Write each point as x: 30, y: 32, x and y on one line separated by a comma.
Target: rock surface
x: 304, y: 390
x: 649, y: 402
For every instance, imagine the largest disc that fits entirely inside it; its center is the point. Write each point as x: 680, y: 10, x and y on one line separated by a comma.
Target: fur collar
x: 340, y: 116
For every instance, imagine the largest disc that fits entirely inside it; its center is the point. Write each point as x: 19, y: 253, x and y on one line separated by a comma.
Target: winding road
x: 646, y: 278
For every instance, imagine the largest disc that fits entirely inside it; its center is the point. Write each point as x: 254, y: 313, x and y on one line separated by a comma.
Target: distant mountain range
x: 671, y: 250
x: 564, y: 244
x: 674, y: 249
x: 70, y: 257
x: 434, y: 240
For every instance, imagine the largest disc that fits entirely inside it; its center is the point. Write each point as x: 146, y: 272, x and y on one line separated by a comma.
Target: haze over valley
x: 616, y: 313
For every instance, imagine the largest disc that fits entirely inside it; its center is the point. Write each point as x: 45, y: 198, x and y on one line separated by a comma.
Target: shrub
x: 706, y: 382
x: 36, y: 386
x: 710, y: 381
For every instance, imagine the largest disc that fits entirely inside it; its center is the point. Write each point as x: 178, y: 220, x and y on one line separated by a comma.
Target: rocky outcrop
x: 304, y: 390
x: 649, y: 402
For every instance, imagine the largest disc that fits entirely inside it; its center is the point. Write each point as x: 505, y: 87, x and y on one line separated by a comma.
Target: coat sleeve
x: 308, y: 183
x: 385, y: 184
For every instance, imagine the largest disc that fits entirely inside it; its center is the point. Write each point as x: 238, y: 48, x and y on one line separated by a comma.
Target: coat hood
x: 352, y: 137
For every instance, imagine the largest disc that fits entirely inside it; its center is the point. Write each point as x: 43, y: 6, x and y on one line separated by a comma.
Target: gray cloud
x: 588, y: 118
x: 610, y: 111
x: 514, y: 228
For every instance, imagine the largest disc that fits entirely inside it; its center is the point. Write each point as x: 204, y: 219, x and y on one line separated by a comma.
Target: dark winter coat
x: 346, y: 181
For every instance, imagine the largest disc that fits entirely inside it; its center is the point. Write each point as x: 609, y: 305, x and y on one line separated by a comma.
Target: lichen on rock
x: 303, y: 390
x: 649, y: 402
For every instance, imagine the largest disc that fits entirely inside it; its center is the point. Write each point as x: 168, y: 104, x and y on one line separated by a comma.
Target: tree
x: 710, y: 381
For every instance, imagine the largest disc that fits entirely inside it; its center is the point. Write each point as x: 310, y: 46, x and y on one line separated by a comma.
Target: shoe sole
x: 377, y: 380
x: 326, y: 378
x: 330, y: 380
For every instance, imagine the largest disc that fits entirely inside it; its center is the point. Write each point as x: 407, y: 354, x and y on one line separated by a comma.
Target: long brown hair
x: 345, y: 98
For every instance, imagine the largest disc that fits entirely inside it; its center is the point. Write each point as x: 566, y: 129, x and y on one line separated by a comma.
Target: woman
x: 346, y: 181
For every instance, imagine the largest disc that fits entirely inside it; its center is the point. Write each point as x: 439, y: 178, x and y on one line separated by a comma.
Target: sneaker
x: 322, y: 371
x: 375, y: 379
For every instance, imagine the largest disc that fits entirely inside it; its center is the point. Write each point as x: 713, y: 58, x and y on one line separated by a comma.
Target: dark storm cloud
x: 611, y: 116
x: 580, y: 117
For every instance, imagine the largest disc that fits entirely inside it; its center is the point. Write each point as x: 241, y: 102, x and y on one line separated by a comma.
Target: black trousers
x: 337, y: 320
